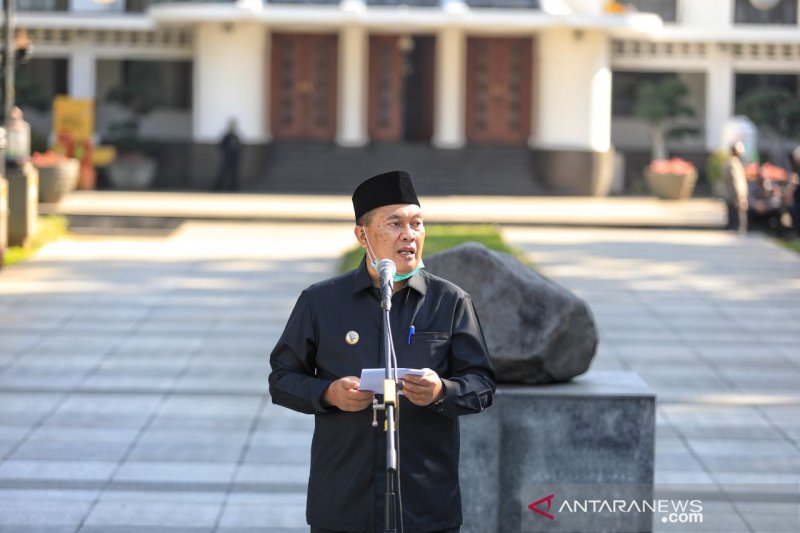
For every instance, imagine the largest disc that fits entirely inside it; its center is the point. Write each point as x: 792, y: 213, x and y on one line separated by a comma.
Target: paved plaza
x: 133, y: 369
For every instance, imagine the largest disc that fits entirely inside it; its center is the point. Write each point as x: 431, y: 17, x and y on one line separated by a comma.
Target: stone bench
x: 598, y: 429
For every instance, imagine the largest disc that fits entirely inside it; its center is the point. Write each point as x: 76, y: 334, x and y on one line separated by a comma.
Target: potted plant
x: 58, y: 175
x: 660, y: 103
x: 139, y: 94
x: 672, y: 179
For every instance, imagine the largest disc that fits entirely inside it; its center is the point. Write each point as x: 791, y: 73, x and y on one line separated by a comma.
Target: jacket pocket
x: 429, y: 349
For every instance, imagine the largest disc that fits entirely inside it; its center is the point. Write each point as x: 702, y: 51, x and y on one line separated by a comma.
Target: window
x: 168, y: 82
x: 747, y: 82
x: 785, y: 12
x: 666, y: 9
x: 625, y: 86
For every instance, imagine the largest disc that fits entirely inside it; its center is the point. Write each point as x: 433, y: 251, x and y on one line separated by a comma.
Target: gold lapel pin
x: 352, y: 337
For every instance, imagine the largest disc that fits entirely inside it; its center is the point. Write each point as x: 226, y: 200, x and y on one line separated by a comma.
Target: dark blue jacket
x: 347, y: 482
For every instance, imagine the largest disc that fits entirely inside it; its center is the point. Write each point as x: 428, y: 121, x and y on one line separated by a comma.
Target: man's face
x: 396, y: 232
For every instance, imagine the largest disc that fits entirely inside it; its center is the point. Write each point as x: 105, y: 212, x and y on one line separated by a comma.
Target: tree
x: 658, y: 102
x: 776, y: 111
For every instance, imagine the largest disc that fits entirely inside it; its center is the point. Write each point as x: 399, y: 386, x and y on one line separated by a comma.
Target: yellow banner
x: 73, y: 118
x: 73, y: 126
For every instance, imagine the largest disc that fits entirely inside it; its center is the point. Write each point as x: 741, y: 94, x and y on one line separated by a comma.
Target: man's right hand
x: 344, y: 394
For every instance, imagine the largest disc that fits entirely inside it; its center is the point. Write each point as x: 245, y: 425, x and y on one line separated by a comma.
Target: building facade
x: 539, y: 80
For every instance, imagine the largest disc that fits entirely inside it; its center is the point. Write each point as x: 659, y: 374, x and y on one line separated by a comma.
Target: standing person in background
x: 794, y: 192
x: 230, y: 149
x: 735, y: 183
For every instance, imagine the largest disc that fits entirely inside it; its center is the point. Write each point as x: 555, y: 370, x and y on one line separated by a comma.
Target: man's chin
x: 404, y: 266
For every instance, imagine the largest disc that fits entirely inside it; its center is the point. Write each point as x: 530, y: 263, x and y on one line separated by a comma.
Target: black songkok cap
x: 389, y: 188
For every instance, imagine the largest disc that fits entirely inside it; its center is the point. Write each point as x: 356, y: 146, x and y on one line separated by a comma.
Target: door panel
x: 385, y: 88
x: 498, y: 89
x: 303, y: 95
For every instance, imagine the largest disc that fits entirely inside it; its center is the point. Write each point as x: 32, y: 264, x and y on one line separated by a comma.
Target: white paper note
x: 372, y: 378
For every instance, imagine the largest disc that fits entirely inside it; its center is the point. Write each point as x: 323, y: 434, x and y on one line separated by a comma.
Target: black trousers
x: 737, y: 218
x: 320, y: 530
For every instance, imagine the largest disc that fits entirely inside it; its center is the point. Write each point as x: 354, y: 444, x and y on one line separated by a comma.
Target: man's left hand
x: 423, y: 390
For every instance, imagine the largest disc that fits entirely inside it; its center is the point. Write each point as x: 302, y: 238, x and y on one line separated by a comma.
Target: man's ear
x: 358, y: 231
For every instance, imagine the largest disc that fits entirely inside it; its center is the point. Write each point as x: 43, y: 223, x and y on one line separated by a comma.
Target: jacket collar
x: 362, y: 281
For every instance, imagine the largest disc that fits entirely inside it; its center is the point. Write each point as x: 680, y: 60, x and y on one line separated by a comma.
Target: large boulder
x: 536, y: 330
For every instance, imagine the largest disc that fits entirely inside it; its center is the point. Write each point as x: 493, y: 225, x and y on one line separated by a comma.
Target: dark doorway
x: 401, y: 70
x: 419, y: 93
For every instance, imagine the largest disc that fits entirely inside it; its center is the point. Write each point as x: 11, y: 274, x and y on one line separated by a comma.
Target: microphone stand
x: 389, y: 406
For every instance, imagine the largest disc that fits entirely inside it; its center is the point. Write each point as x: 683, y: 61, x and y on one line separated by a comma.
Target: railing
x: 42, y: 5
x: 785, y: 12
x: 118, y: 6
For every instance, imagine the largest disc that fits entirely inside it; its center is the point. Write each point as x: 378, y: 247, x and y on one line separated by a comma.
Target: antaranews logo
x: 625, y: 510
x: 535, y: 506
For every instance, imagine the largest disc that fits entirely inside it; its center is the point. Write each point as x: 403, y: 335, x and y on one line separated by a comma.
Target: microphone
x: 386, y: 270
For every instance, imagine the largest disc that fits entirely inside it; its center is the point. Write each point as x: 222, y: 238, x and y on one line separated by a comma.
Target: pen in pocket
x: 410, y: 333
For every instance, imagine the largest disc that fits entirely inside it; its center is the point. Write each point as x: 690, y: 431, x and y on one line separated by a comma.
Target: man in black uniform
x: 335, y: 331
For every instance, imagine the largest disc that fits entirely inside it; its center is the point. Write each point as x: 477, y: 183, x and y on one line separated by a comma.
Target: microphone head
x: 387, y: 268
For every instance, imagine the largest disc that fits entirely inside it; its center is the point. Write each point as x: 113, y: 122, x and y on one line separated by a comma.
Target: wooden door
x: 303, y: 95
x: 498, y: 89
x: 386, y: 85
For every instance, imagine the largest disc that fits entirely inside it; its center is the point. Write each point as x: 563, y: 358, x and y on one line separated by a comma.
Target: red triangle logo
x: 535, y: 506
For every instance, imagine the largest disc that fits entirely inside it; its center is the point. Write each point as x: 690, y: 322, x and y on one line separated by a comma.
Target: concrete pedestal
x: 575, y: 172
x: 593, y: 437
x: 23, y: 203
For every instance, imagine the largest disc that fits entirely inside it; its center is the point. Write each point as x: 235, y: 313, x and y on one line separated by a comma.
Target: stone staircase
x: 325, y: 168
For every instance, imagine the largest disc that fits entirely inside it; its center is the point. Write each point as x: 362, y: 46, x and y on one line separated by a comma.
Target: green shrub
x: 715, y: 165
x: 442, y: 237
x: 49, y: 228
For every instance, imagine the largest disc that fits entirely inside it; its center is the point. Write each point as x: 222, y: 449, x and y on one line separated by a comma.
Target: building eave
x: 399, y: 17
x: 85, y: 21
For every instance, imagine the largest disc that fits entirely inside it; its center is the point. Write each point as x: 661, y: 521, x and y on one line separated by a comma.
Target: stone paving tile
x: 26, y: 495
x: 71, y: 451
x: 26, y: 402
x: 97, y: 420
x: 186, y: 452
x: 109, y: 403
x: 272, y: 473
x: 58, y: 470
x: 158, y: 528
x: 200, y: 421
x: 182, y: 496
x: 40, y: 364
x: 175, y: 472
x: 42, y: 513
x: 50, y: 433
x: 277, y: 455
x: 154, y: 514
x: 267, y: 513
x: 25, y: 383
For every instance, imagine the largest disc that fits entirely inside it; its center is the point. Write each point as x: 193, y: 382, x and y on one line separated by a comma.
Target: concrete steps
x: 325, y: 168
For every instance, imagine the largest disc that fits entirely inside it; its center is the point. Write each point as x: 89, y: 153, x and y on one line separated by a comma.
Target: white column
x: 352, y: 94
x: 451, y: 60
x: 82, y: 70
x: 230, y: 82
x: 719, y: 94
x: 573, y: 85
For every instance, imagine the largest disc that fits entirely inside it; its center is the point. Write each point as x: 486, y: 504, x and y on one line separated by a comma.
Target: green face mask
x: 402, y: 277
